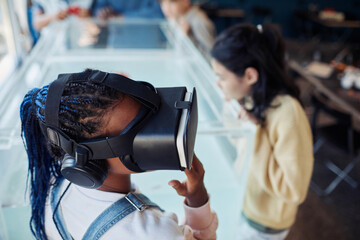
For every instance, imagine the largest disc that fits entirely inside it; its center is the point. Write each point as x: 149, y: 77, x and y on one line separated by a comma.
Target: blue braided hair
x: 82, y: 107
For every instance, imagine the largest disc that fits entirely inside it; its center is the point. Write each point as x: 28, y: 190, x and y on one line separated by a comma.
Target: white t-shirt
x: 80, y: 207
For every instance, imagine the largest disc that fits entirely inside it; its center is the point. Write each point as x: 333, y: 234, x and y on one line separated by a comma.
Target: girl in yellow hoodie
x: 250, y: 64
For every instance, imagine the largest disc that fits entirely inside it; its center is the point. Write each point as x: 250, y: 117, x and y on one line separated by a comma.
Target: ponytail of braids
x: 41, y: 165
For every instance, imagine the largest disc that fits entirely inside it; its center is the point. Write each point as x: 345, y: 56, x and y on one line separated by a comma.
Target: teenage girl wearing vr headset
x: 60, y: 210
x: 250, y: 65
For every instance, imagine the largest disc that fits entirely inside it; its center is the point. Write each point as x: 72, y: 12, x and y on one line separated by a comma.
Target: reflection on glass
x: 113, y: 34
x: 3, y: 48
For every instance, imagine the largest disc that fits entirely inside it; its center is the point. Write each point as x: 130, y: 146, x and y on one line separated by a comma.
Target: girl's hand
x: 61, y: 15
x: 246, y: 116
x: 184, y: 26
x: 193, y: 188
x: 84, y: 13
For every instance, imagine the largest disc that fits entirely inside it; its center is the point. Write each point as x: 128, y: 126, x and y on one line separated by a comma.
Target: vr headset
x: 160, y: 137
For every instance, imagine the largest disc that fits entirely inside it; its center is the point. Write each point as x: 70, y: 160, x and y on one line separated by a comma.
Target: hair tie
x: 260, y: 28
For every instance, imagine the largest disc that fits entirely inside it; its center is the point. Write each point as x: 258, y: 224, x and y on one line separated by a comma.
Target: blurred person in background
x: 192, y: 21
x: 251, y: 68
x: 44, y: 12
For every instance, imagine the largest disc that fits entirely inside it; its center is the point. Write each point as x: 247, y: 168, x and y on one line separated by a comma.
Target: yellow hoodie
x: 281, y: 165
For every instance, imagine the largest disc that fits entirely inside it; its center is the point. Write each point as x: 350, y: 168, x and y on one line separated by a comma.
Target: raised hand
x: 193, y: 188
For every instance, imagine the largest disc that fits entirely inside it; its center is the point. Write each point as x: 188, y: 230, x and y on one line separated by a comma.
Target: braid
x: 41, y: 166
x: 82, y: 107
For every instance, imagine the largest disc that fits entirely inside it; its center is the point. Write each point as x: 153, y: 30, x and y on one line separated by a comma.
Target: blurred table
x: 333, y: 23
x: 328, y: 29
x: 302, y: 54
x: 348, y: 100
x: 230, y: 12
x: 217, y: 13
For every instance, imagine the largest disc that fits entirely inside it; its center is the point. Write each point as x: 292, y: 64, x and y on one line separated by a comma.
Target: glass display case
x: 150, y: 51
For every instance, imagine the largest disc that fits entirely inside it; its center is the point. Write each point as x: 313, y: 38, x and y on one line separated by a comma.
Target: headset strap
x: 53, y: 100
x: 108, y: 147
x: 142, y: 91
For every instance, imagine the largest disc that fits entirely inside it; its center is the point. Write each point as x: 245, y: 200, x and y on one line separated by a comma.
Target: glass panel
x: 3, y: 228
x: 115, y: 34
x: 3, y: 45
x: 169, y: 59
x: 16, y: 223
x: 8, y: 57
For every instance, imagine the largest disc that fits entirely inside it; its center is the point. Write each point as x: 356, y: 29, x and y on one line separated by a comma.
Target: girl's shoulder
x: 284, y: 108
x: 149, y: 224
x: 285, y: 103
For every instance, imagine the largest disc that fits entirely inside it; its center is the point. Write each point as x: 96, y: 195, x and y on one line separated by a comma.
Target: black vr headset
x: 160, y: 137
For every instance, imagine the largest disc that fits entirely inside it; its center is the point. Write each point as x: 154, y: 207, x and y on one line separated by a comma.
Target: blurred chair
x: 340, y: 136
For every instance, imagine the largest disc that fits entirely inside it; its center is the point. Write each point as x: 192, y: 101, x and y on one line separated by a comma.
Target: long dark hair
x: 82, y: 108
x: 262, y: 48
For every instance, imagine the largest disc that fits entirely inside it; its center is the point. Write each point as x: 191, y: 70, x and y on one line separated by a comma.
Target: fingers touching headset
x: 193, y: 188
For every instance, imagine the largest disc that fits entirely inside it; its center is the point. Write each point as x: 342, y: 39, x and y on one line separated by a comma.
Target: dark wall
x: 282, y: 11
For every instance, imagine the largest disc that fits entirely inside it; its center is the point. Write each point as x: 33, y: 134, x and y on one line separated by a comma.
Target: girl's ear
x: 251, y: 76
